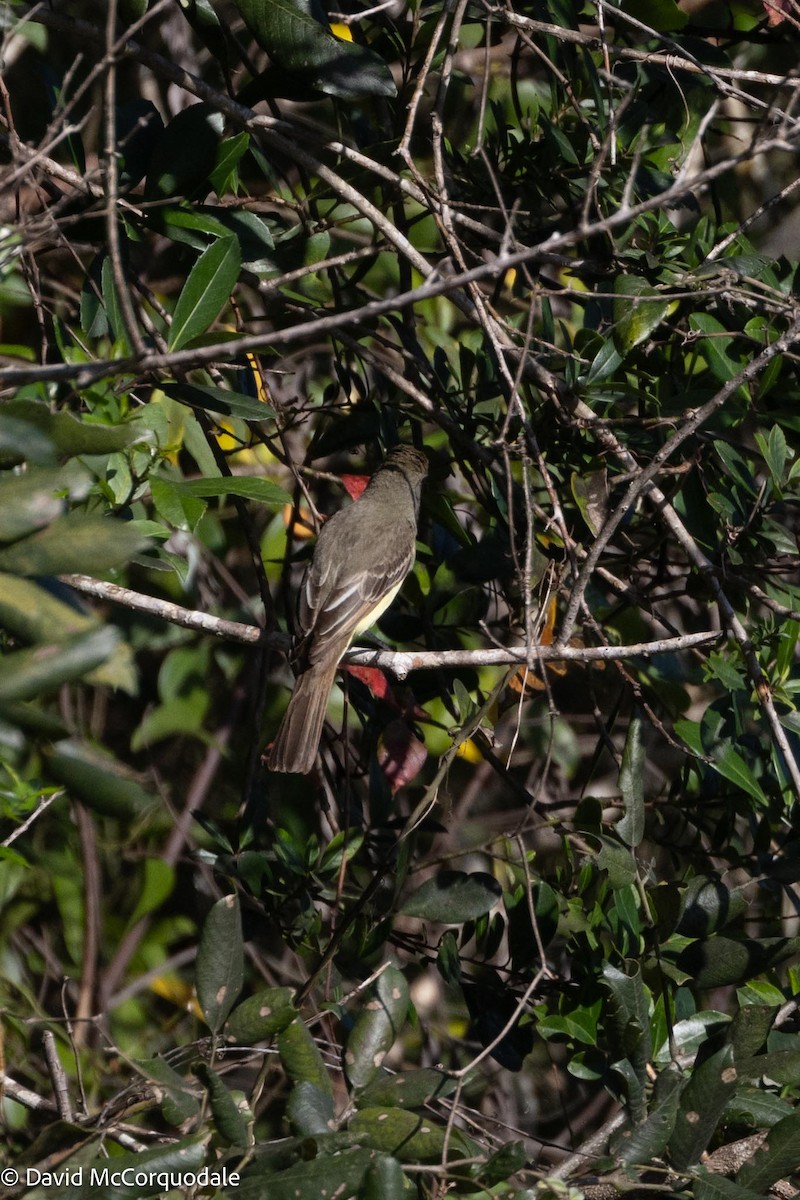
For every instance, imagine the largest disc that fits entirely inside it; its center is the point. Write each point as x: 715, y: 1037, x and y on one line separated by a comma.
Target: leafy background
x: 531, y: 929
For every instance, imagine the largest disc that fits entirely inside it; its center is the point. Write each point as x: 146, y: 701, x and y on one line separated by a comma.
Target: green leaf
x: 707, y: 905
x: 505, y: 1162
x: 299, y: 42
x: 590, y: 492
x: 218, y: 401
x: 301, y: 1058
x: 453, y: 897
x: 27, y: 674
x: 20, y: 441
x: 643, y: 1142
x: 310, y: 1109
x: 777, y: 1158
x: 690, y: 733
x: 180, y: 1103
x: 225, y: 176
x: 157, y: 885
x: 377, y: 1027
x: 415, y: 1138
x: 206, y: 291
x: 230, y: 1122
x: 782, y: 1066
x: 205, y: 22
x: 631, y: 783
x: 661, y: 15
x: 785, y: 657
x: 261, y: 1016
x: 75, y: 543
x: 710, y: 1186
x: 103, y: 783
x: 725, y: 758
x: 337, y: 1175
x: 133, y: 1175
x: 605, y: 363
x: 408, y: 1089
x: 220, y: 961
x: 730, y: 764
x: 68, y: 434
x: 31, y: 501
x: 250, y: 487
x: 702, y: 1104
x: 113, y: 306
x: 775, y: 452
x: 579, y: 1025
x: 385, y: 1181
x: 617, y: 860
x: 636, y: 316
x: 715, y: 346
x: 756, y: 1107
x: 721, y: 961
x: 628, y: 1016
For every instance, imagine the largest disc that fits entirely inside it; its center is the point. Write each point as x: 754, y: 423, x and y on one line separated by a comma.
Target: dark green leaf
x: 384, y: 1181
x: 710, y: 1186
x: 29, y: 673
x: 297, y: 37
x: 133, y: 1175
x: 301, y: 1058
x: 69, y: 435
x: 113, y: 306
x: 103, y: 783
x: 631, y: 783
x: 31, y: 501
x: 230, y: 1122
x: 217, y: 400
x: 220, y: 961
x: 707, y: 905
x: 408, y: 1089
x: 205, y: 22
x: 628, y: 1016
x: 340, y: 1175
x: 261, y: 1016
x: 180, y: 1102
x: 721, y: 961
x: 617, y: 860
x: 414, y: 1138
x: 777, y: 1158
x: 643, y: 1142
x: 703, y: 1102
x: 310, y: 1109
x: 185, y: 154
x: 452, y: 897
x: 75, y: 543
x: 377, y: 1027
x: 21, y: 441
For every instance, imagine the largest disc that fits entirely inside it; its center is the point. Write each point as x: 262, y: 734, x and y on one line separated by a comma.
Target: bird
x: 362, y: 555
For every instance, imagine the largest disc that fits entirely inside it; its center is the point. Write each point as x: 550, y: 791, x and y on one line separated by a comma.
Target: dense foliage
x: 532, y: 927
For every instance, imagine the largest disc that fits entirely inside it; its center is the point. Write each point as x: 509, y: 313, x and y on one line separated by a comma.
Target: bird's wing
x: 335, y: 600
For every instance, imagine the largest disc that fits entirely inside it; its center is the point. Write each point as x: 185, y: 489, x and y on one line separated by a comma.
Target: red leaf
x: 781, y: 10
x: 376, y: 682
x: 354, y: 484
x: 401, y: 755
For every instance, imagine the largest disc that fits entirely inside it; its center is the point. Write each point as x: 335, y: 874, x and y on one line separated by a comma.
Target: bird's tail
x: 295, y: 747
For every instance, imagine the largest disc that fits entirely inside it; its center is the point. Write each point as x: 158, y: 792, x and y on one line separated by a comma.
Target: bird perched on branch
x: 363, y: 554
